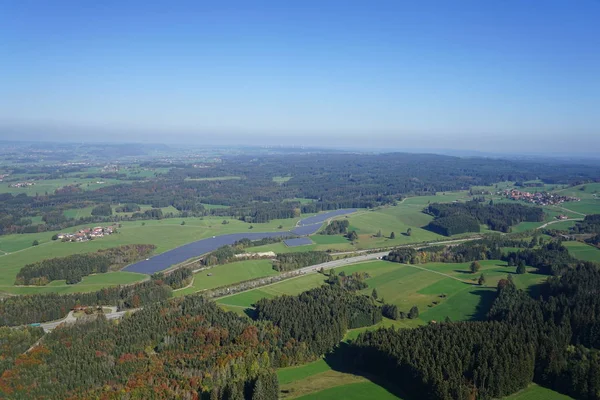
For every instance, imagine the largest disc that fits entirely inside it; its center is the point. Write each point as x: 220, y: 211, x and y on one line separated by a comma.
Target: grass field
x: 90, y: 283
x: 583, y: 251
x: 367, y: 223
x: 317, y: 380
x: 215, y: 178
x: 229, y: 274
x: 213, y: 206
x: 352, y: 391
x: 300, y: 200
x: 535, y: 392
x: 407, y: 286
x: 50, y: 185
x: 165, y: 234
x: 281, y: 179
x: 292, y: 374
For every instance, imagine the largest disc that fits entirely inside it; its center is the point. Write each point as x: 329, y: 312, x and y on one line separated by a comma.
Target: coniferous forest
x: 189, y: 348
x: 454, y: 218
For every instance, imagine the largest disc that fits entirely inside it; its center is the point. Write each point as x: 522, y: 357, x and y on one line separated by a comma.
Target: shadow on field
x: 251, y: 312
x: 486, y: 298
x: 341, y: 360
x: 463, y: 271
x: 505, y: 271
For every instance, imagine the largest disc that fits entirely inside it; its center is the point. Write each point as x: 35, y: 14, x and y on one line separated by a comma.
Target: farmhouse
x: 86, y: 234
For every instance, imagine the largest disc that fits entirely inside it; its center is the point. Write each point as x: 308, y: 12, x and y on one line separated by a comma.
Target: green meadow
x: 536, y: 392
x: 215, y: 178
x: 352, y: 391
x: 281, y: 179
x: 166, y: 234
x: 583, y: 251
x: 50, y: 185
x: 317, y: 380
x: 228, y: 274
x: 439, y: 290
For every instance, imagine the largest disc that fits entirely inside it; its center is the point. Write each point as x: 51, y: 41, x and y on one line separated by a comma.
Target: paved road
x: 70, y: 318
x: 49, y: 326
x: 557, y: 221
x: 344, y: 261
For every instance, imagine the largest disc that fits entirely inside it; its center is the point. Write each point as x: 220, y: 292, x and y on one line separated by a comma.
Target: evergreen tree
x: 413, y: 313
x: 475, y: 267
x: 481, y: 280
x: 374, y: 294
x: 392, y: 235
x: 409, y: 232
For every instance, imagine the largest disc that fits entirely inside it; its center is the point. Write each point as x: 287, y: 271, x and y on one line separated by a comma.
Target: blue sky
x: 459, y: 74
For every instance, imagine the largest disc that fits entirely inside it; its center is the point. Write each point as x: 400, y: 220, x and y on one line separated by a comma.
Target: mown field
x: 536, y: 392
x: 17, y: 250
x: 317, y: 380
x: 367, y: 223
x: 583, y: 251
x: 228, y: 274
x: 50, y: 185
x: 166, y: 234
x: 439, y: 290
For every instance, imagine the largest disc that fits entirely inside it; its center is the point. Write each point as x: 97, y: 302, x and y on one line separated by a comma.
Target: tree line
x: 290, y: 261
x: 27, y: 309
x: 74, y: 267
x: 454, y: 218
x: 188, y: 348
x: 319, y: 317
x: 590, y: 224
x: 552, y: 340
x: 332, y: 181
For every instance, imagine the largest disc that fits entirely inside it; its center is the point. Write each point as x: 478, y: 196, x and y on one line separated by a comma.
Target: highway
x: 114, y: 314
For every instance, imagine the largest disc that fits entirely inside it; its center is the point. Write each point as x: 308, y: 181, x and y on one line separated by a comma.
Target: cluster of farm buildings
x: 86, y: 234
x: 539, y: 198
x: 21, y: 184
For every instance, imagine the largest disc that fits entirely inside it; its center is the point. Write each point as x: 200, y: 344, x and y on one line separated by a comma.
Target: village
x: 21, y: 184
x: 83, y: 235
x: 539, y: 198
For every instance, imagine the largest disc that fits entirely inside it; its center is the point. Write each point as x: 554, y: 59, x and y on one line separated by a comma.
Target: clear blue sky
x: 477, y: 74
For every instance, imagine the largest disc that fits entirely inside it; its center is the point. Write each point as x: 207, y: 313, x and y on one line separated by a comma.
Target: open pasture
x: 583, y: 251
x: 89, y: 283
x: 166, y: 234
x: 536, y: 392
x: 317, y: 380
x: 215, y: 178
x: 50, y: 185
x: 281, y: 179
x: 229, y: 274
x: 451, y: 286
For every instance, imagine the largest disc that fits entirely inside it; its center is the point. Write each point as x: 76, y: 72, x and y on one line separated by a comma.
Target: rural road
x: 114, y: 314
x: 558, y: 220
x: 70, y: 318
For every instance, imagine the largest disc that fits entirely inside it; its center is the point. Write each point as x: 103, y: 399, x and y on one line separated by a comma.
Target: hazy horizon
x: 491, y: 77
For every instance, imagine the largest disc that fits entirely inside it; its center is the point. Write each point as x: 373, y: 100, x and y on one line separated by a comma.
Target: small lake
x: 306, y: 226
